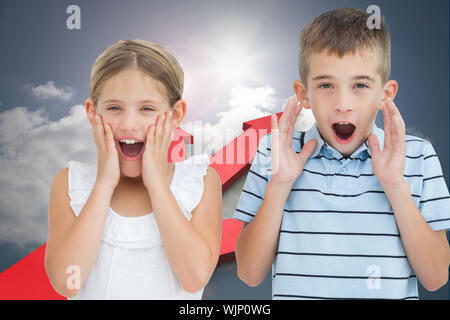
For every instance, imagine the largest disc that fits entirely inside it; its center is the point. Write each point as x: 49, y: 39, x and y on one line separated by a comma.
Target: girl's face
x: 130, y: 102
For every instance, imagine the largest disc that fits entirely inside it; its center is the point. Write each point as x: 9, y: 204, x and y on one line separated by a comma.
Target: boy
x: 350, y: 210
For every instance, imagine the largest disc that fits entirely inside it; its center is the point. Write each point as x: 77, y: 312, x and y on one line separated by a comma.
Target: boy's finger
x: 374, y: 145
x: 286, y: 116
x: 273, y: 121
x: 293, y: 120
x: 387, y: 124
x: 398, y: 125
x: 307, y: 150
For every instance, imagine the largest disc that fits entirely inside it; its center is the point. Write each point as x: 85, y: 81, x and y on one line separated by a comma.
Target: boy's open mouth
x: 131, y: 149
x: 344, y: 131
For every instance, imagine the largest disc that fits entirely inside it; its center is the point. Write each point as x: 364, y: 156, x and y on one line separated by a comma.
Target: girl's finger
x: 99, y: 131
x: 168, y: 130
x: 150, y: 137
x: 109, y: 137
x: 159, y: 130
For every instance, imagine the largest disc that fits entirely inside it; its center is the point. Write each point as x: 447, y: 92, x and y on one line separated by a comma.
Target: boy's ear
x: 179, y: 111
x: 301, y: 93
x: 390, y: 89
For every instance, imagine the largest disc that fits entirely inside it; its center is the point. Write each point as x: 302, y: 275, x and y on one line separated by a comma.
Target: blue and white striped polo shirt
x: 338, y: 237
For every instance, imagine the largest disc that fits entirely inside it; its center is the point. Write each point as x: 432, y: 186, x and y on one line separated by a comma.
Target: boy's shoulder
x: 418, y: 146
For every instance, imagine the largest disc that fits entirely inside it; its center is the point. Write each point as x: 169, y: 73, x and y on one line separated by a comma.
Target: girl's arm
x: 192, y: 248
x: 73, y: 243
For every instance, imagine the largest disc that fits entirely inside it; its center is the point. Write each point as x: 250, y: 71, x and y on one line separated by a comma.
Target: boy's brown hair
x: 341, y: 31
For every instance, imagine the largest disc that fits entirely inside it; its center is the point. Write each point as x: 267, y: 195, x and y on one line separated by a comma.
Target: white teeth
x: 129, y: 141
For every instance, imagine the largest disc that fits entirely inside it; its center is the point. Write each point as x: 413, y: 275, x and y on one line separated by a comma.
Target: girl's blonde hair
x: 146, y: 56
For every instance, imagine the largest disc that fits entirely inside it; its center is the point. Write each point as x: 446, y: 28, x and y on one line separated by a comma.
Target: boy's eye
x: 361, y: 86
x: 325, y: 85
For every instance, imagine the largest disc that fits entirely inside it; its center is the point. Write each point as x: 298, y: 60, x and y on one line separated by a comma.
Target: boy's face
x: 344, y: 95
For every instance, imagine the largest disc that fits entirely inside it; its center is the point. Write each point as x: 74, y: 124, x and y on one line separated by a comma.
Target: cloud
x: 50, y: 91
x: 32, y: 150
x: 244, y: 104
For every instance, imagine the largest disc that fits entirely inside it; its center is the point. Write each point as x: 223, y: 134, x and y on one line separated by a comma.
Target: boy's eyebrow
x: 363, y: 77
x: 358, y: 77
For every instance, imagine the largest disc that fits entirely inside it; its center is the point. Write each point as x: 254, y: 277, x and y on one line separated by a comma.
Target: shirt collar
x: 314, y: 133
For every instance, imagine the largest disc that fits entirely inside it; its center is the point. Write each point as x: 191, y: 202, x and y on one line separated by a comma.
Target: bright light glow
x: 232, y: 65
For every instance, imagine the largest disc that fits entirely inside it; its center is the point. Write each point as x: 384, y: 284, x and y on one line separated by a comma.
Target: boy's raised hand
x: 154, y: 158
x: 389, y: 164
x: 108, y: 169
x: 287, y: 165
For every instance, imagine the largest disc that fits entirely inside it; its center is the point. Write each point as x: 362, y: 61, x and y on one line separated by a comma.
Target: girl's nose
x: 129, y: 121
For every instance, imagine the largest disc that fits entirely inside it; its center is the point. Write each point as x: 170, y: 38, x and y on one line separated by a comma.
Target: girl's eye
x: 114, y: 108
x: 325, y: 86
x: 148, y: 109
x: 361, y: 86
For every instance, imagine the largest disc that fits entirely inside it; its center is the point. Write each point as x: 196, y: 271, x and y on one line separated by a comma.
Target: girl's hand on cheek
x: 108, y: 169
x: 154, y: 159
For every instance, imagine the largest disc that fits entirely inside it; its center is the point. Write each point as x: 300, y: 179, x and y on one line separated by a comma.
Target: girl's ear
x: 89, y: 106
x: 301, y: 93
x: 179, y: 111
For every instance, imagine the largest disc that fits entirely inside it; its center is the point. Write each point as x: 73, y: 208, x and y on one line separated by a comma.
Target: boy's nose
x: 344, y: 107
x: 343, y: 103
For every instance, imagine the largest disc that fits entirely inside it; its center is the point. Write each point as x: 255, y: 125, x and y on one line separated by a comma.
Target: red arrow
x: 27, y: 279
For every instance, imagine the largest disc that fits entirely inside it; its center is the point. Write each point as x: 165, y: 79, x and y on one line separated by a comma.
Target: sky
x: 239, y: 58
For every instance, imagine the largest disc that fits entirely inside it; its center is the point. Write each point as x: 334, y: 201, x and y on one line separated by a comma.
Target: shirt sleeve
x: 434, y: 201
x: 252, y: 194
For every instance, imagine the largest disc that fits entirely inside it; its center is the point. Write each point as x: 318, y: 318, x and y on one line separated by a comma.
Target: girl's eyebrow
x: 139, y: 102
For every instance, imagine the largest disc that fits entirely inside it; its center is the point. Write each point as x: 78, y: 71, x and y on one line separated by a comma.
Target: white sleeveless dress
x: 131, y: 262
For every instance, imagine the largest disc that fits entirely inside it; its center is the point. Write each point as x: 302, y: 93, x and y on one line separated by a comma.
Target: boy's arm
x: 258, y: 241
x: 427, y: 250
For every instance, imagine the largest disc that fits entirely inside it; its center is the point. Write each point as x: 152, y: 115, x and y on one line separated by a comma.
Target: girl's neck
x: 137, y: 182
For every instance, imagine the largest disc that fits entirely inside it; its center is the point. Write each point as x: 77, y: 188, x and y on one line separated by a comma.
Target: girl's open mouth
x: 130, y: 149
x: 344, y: 132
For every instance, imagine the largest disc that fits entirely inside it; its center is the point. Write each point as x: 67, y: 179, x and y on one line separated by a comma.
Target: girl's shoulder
x: 80, y: 175
x: 189, y: 178
x: 80, y: 181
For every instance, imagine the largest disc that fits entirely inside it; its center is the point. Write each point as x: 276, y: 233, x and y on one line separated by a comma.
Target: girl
x: 136, y: 226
